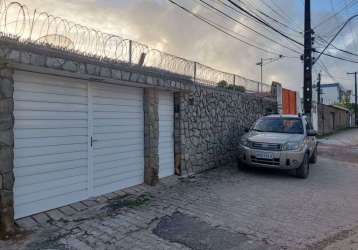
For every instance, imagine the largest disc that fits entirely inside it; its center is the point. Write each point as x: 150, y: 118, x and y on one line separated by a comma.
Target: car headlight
x: 244, y: 142
x: 293, y: 145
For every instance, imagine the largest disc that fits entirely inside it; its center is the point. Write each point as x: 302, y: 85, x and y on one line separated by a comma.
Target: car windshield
x: 279, y: 125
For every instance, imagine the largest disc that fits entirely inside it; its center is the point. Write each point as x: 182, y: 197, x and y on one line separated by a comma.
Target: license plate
x: 264, y: 155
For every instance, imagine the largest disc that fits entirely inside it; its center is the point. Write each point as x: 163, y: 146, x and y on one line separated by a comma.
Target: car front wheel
x: 314, y: 157
x: 304, y: 170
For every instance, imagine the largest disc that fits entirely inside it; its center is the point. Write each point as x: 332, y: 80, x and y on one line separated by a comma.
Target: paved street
x: 219, y: 209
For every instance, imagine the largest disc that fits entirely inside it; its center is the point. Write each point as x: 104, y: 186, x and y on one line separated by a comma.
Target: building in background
x: 327, y: 119
x: 329, y: 116
x: 332, y: 93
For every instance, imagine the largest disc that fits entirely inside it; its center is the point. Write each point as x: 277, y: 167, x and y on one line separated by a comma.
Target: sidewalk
x: 347, y: 137
x: 342, y: 146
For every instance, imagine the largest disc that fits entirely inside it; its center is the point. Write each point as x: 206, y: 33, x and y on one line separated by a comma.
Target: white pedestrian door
x: 166, y: 136
x: 74, y: 140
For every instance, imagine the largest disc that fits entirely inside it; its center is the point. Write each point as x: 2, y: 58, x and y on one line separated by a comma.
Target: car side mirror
x: 311, y: 132
x: 246, y: 130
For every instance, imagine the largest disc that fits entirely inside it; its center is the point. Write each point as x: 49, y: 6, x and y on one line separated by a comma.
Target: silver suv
x: 280, y: 141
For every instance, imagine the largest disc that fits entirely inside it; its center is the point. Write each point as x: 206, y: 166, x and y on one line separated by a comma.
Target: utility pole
x: 261, y: 64
x: 319, y: 89
x: 307, y: 61
x: 355, y: 97
x: 268, y: 60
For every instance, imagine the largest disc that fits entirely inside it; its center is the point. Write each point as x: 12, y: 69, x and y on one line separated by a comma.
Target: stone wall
x: 332, y: 119
x: 211, y: 123
x: 6, y: 151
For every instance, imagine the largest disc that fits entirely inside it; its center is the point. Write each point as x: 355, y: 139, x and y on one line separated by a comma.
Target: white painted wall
x: 329, y: 95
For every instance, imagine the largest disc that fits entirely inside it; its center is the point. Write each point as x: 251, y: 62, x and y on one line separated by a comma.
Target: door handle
x: 92, y: 141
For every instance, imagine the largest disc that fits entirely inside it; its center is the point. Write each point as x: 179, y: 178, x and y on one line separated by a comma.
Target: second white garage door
x: 118, y: 151
x: 166, y: 134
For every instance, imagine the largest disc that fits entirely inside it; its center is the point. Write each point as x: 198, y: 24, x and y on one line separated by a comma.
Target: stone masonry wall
x: 332, y: 119
x: 6, y: 151
x: 211, y: 123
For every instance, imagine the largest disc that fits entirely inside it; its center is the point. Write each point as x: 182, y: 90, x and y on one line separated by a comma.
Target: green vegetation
x: 225, y: 85
x: 346, y: 104
x: 128, y: 201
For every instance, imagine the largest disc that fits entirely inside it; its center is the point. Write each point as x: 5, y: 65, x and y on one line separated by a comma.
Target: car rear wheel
x: 304, y: 170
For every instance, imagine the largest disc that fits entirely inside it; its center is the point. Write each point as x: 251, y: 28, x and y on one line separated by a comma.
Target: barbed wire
x: 42, y: 28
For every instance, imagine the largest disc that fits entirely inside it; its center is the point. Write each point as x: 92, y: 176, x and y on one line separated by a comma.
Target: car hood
x: 269, y: 137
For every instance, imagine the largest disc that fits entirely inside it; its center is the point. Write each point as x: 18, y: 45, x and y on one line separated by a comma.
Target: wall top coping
x: 33, y: 57
x: 45, y: 59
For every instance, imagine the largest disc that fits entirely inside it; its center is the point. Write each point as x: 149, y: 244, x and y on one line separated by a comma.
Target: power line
x: 337, y: 13
x: 277, y: 17
x: 248, y: 27
x: 353, y: 34
x: 325, y: 69
x: 259, y: 12
x: 335, y: 36
x: 283, y: 11
x: 335, y: 47
x: 279, y: 22
x: 217, y: 27
x: 321, y: 52
x: 265, y: 23
x: 337, y: 57
x: 220, y: 29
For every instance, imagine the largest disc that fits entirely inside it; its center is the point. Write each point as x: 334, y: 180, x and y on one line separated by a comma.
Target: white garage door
x: 118, y: 135
x: 56, y: 119
x: 166, y: 130
x: 51, y: 142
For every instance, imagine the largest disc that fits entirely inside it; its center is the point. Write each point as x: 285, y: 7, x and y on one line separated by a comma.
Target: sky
x: 163, y: 26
